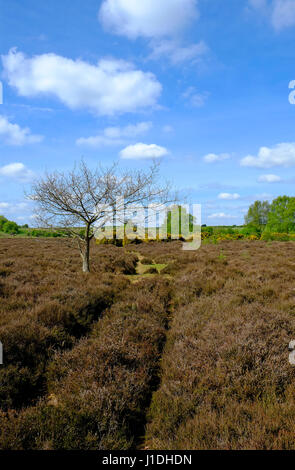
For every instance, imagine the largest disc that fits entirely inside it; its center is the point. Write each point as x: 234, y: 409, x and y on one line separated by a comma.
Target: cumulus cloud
x: 221, y: 215
x: 16, y: 171
x: 213, y: 157
x: 109, y: 87
x: 281, y: 13
x: 115, y: 135
x: 161, y: 22
x: 147, y: 18
x: 269, y: 179
x: 229, y: 196
x: 13, y: 134
x: 143, y: 151
x: 279, y: 155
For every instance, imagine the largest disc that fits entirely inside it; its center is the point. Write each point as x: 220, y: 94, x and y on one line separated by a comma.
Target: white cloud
x: 269, y: 179
x: 159, y: 21
x: 281, y: 13
x: 13, y: 134
x: 115, y: 135
x: 142, y: 151
x: 109, y: 87
x: 221, y: 215
x: 229, y: 196
x: 213, y: 157
x: 147, y: 18
x: 177, y: 53
x: 16, y: 171
x: 194, y: 98
x: 279, y: 155
x: 16, y: 210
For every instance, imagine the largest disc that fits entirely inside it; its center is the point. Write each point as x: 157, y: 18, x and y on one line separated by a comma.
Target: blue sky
x: 202, y: 85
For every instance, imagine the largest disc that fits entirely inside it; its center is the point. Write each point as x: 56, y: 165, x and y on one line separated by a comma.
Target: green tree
x: 258, y: 214
x: 3, y: 220
x: 282, y: 215
x: 10, y: 227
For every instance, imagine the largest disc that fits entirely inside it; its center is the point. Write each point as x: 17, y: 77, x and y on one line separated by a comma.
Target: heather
x: 226, y: 381
x: 155, y: 348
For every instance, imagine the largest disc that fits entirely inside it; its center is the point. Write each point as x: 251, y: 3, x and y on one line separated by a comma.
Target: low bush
x: 10, y: 227
x: 250, y: 230
x: 146, y: 261
x: 27, y: 348
x: 45, y: 233
x: 47, y: 305
x: 3, y: 220
x: 226, y: 380
x: 115, y: 260
x: 89, y: 360
x: 272, y: 236
x: 98, y: 392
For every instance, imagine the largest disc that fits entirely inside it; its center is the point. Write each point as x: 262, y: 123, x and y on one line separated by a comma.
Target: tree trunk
x: 86, y: 256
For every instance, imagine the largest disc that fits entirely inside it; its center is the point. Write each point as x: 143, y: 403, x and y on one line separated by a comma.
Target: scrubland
x: 156, y: 348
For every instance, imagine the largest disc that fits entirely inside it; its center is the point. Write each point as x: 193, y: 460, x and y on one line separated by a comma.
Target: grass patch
x: 144, y: 268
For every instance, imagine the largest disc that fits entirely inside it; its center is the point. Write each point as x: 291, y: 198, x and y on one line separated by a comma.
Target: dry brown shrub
x: 46, y: 305
x: 83, y: 353
x: 226, y: 380
x: 99, y: 390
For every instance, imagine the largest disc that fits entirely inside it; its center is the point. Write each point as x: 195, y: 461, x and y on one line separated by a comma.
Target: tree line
x: 278, y: 216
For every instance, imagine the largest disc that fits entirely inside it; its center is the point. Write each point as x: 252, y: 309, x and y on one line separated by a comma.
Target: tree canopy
x: 258, y: 213
x: 281, y: 216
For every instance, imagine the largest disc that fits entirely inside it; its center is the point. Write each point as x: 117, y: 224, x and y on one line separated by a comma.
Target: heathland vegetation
x: 193, y: 355
x: 156, y: 347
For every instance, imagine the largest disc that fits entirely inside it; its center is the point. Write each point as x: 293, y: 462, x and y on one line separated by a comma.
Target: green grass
x: 23, y: 233
x: 141, y: 269
x: 8, y: 235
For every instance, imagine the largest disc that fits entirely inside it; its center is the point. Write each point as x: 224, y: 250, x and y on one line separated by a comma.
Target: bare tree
x: 89, y: 198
